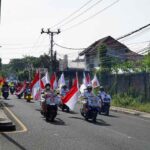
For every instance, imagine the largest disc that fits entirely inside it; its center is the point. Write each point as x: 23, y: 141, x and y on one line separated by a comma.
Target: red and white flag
x: 53, y: 81
x: 45, y: 79
x: 22, y: 88
x: 36, y: 87
x: 61, y: 81
x: 86, y: 81
x: 72, y: 96
x: 95, y: 82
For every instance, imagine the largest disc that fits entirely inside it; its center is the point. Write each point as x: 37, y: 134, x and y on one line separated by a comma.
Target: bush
x: 126, y: 101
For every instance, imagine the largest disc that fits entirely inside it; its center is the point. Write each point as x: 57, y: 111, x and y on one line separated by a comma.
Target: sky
x: 22, y: 20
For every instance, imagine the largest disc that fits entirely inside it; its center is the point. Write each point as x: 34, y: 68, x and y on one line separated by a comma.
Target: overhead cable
x: 70, y: 20
x: 91, y: 17
x: 66, y: 18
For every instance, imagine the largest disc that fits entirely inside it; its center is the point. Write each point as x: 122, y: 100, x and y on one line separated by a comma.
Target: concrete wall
x: 137, y: 83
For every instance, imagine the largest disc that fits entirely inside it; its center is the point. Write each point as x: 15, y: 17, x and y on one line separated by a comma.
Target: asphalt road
x: 71, y: 132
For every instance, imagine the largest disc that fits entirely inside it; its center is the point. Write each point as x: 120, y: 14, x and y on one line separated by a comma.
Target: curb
x: 130, y: 111
x: 5, y: 123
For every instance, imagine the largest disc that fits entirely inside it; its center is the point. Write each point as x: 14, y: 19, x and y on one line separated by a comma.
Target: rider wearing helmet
x: 27, y: 89
x: 90, y: 99
x: 63, y: 93
x: 104, y: 97
x: 50, y: 98
x: 63, y: 90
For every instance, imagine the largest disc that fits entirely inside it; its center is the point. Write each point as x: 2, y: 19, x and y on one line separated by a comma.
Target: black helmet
x: 47, y: 85
x: 89, y: 86
x: 64, y: 86
x: 101, y: 88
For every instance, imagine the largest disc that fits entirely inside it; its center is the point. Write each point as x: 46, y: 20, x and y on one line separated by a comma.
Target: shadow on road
x: 112, y: 116
x: 73, y: 112
x: 13, y: 141
x: 99, y: 122
x: 58, y: 121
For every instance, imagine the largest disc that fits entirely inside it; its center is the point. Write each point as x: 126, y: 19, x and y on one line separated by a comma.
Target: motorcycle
x: 12, y: 90
x: 20, y: 95
x: 105, y: 106
x: 28, y: 95
x: 5, y: 93
x: 64, y: 107
x: 89, y: 113
x: 49, y: 111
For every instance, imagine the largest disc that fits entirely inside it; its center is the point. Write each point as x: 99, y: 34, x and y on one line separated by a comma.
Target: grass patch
x: 126, y: 101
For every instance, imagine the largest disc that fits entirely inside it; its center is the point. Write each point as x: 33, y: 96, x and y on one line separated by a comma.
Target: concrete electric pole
x: 51, y: 36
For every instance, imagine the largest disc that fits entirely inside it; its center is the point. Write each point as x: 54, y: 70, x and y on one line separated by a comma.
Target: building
x: 65, y: 64
x: 114, y: 49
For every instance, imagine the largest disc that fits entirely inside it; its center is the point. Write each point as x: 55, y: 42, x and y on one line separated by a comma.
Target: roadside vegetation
x: 131, y: 102
x: 132, y: 99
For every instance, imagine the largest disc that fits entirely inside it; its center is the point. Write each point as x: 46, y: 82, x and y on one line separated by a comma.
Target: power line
x: 126, y: 35
x: 70, y: 20
x: 68, y: 47
x: 91, y: 17
x: 66, y: 18
x: 38, y: 46
x: 138, y: 42
x: 136, y: 35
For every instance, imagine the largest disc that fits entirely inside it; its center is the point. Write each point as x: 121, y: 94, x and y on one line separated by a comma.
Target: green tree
x: 105, y: 64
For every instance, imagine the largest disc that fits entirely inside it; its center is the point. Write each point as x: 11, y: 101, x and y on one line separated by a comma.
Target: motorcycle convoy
x: 91, y: 105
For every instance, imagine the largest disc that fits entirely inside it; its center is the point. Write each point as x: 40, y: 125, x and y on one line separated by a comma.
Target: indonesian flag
x: 2, y: 80
x: 72, y: 96
x: 22, y: 88
x: 86, y: 81
x: 36, y: 87
x: 61, y: 81
x: 45, y: 80
x: 53, y: 81
x: 95, y: 82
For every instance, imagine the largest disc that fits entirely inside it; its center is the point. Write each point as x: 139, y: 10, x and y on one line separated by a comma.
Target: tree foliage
x: 25, y: 67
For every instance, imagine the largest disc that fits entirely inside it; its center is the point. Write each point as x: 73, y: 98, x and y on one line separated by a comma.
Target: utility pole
x: 51, y: 36
x: 0, y: 10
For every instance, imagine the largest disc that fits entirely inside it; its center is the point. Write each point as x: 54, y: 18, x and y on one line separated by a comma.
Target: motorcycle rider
x: 27, y: 89
x: 105, y: 100
x: 63, y: 92
x: 90, y: 99
x: 50, y: 99
x: 104, y: 97
x: 5, y: 88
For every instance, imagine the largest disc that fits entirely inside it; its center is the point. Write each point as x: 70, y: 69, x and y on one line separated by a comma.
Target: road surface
x: 71, y: 132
